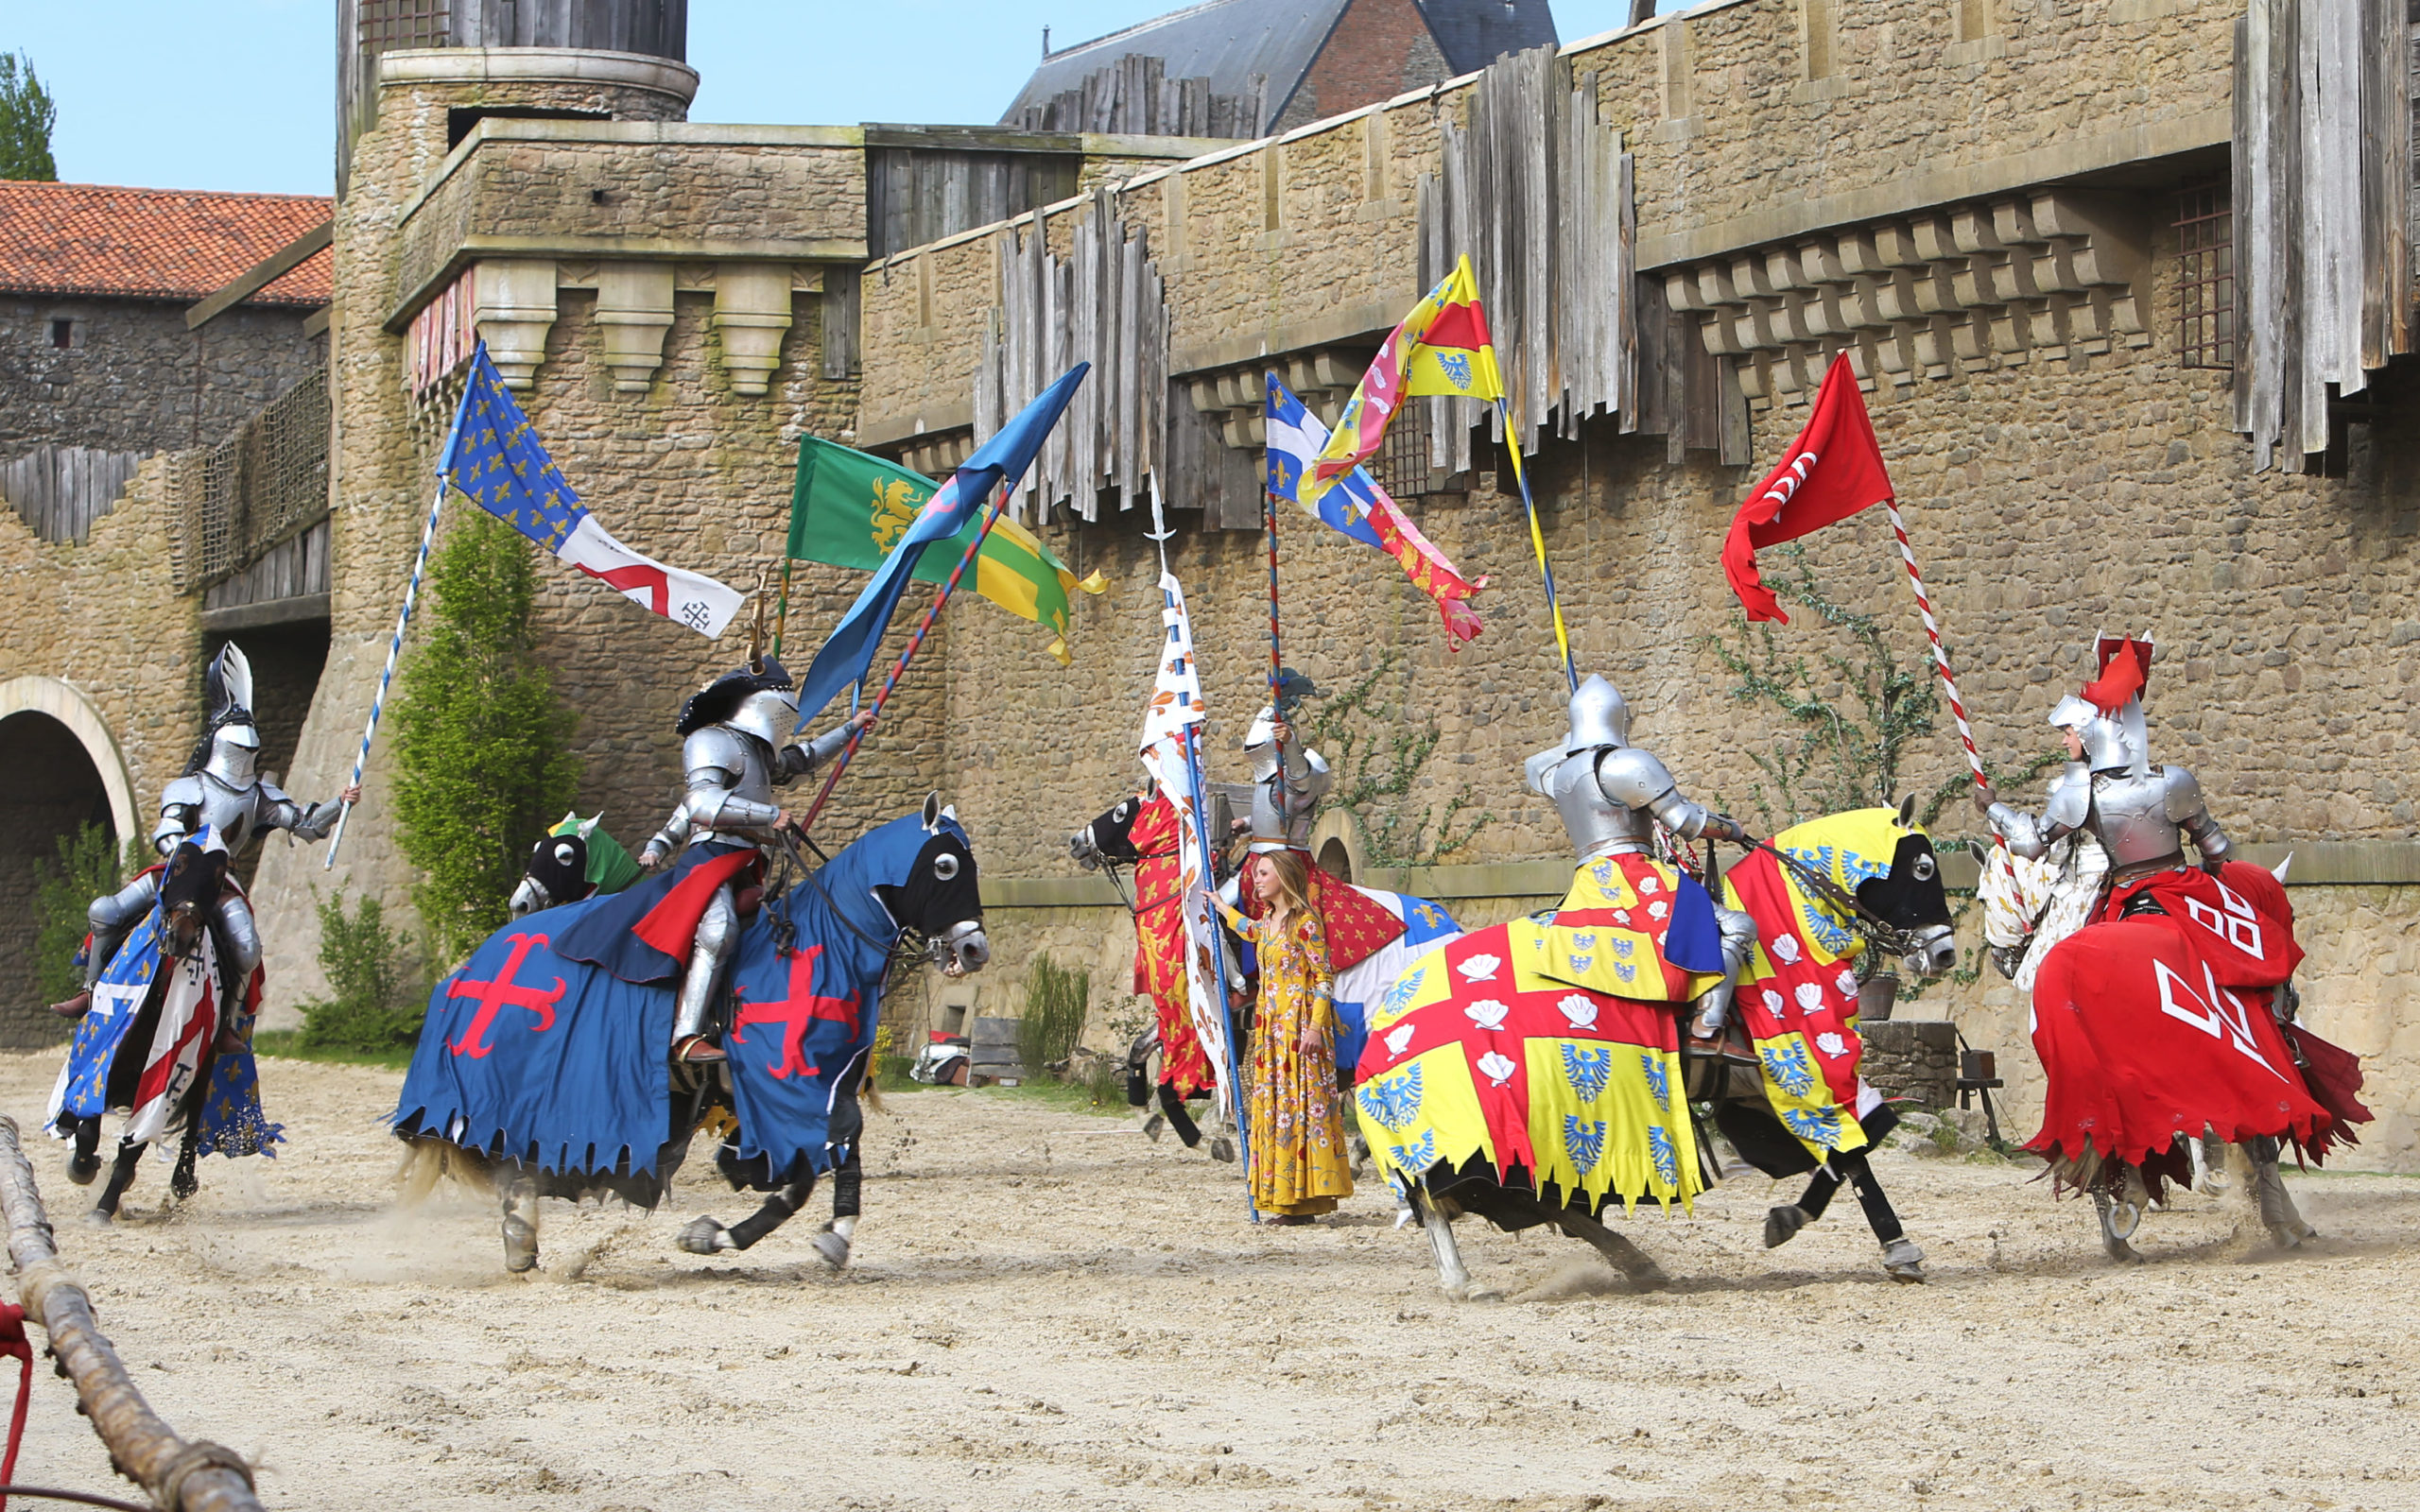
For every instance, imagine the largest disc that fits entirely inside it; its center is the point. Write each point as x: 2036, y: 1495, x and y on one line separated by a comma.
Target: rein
x: 1886, y: 937
x: 813, y: 877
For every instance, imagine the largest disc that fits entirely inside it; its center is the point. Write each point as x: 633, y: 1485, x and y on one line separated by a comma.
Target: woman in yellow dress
x: 1299, y: 1162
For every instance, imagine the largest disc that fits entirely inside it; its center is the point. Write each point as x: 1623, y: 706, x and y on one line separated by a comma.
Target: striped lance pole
x: 990, y: 519
x: 1276, y: 662
x: 1538, y: 544
x: 394, y: 649
x: 1941, y: 664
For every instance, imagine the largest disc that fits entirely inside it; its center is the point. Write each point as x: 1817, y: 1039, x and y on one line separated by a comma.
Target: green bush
x: 483, y: 747
x: 378, y: 1002
x: 1056, y: 998
x: 89, y: 867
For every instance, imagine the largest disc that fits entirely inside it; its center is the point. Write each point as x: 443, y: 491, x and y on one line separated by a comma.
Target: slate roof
x: 1474, y: 34
x: 1224, y: 40
x: 153, y: 244
x: 1229, y: 41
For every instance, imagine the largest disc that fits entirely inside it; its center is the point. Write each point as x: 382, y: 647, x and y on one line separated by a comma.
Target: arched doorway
x: 1336, y: 860
x: 54, y: 789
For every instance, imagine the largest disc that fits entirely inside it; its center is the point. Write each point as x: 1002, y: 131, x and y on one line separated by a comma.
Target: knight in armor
x: 2231, y: 919
x: 220, y: 791
x: 1289, y: 778
x: 738, y: 745
x: 1611, y: 795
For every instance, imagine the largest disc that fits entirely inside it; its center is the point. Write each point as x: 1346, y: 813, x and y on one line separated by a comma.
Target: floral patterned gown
x: 1299, y: 1162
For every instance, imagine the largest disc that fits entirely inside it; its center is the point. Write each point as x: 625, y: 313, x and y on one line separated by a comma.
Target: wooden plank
x: 263, y: 273
x: 2333, y: 184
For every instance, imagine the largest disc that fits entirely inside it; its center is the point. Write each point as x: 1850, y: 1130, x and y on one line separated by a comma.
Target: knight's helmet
x: 2107, y: 714
x: 757, y: 698
x: 235, y: 741
x: 1600, y: 721
x: 1260, y: 741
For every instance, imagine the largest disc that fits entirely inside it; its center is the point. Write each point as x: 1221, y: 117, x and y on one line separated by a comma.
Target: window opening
x: 63, y: 333
x: 2205, y: 327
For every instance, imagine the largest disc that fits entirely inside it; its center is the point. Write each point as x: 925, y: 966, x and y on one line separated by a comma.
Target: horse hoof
x: 1154, y: 1126
x: 703, y: 1236
x: 1904, y: 1262
x: 1473, y: 1292
x: 520, y: 1245
x: 1782, y: 1224
x: 82, y: 1168
x: 2291, y: 1236
x: 100, y: 1218
x: 831, y: 1249
x: 1222, y: 1149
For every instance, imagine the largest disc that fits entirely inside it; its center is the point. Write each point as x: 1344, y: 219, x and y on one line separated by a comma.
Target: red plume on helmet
x: 2125, y: 668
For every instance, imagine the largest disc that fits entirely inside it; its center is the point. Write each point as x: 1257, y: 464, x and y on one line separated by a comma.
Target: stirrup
x: 696, y: 1050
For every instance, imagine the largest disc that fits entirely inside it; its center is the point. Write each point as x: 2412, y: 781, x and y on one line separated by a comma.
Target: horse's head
x: 556, y: 874
x: 1109, y: 838
x: 935, y: 894
x: 1903, y: 892
x: 189, y: 891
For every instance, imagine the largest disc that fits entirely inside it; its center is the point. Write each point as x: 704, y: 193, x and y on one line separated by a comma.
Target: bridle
x: 1890, y: 938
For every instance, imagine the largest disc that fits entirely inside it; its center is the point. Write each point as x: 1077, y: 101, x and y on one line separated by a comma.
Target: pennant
x: 1440, y: 348
x: 1356, y: 508
x: 1831, y: 472
x: 848, y: 510
x: 847, y: 655
x: 497, y: 458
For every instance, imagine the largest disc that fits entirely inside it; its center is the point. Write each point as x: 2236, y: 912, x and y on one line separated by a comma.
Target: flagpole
x: 1276, y: 662
x: 782, y: 615
x: 403, y: 619
x: 1218, y: 965
x: 914, y: 642
x: 1941, y: 664
x: 1537, y: 543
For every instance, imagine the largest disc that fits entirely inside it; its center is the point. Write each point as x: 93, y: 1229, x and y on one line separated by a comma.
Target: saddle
x: 1723, y: 1067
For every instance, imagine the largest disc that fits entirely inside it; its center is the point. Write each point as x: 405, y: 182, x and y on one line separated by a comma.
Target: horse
x: 571, y: 862
x: 2166, y: 1021
x: 575, y: 1094
x: 1495, y: 1084
x: 165, y: 996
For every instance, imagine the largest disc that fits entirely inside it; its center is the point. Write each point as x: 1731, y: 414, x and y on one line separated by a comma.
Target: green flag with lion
x: 848, y: 510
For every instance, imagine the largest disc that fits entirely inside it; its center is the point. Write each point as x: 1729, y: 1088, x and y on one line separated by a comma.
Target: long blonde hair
x: 1293, y: 877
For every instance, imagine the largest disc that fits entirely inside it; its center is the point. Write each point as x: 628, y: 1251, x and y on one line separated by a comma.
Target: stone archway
x: 66, y: 703
x: 54, y: 788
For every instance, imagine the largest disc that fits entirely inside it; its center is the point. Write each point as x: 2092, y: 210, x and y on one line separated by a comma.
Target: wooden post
x: 179, y: 1475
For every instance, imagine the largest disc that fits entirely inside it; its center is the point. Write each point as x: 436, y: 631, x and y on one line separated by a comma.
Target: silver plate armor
x: 731, y: 776
x: 240, y: 814
x: 2141, y: 821
x: 1284, y: 810
x: 1611, y: 794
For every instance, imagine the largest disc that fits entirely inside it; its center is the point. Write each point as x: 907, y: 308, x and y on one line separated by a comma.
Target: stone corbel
x: 514, y: 305
x: 753, y: 314
x: 633, y: 312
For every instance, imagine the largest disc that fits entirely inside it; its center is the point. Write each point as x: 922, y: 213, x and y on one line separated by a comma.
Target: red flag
x: 1831, y: 472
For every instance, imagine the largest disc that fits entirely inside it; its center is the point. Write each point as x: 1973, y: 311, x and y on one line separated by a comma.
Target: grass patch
x: 1066, y: 1097
x: 288, y: 1044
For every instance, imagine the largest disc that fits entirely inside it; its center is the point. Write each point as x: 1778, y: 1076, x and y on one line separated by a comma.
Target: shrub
x: 483, y: 747
x: 89, y: 865
x: 377, y: 1002
x: 1056, y: 998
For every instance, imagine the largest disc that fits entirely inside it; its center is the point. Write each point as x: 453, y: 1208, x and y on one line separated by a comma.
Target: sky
x: 239, y: 94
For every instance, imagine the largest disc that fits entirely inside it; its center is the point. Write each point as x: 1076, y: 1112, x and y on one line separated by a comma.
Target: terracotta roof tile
x: 153, y: 244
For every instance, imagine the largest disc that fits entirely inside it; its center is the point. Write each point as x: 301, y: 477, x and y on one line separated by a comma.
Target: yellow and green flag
x: 848, y: 510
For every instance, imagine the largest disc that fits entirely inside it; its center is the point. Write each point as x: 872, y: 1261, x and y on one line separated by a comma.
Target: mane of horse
x: 1850, y: 846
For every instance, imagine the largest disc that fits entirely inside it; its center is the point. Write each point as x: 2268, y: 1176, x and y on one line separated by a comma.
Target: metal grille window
x: 2205, y: 276
x: 1401, y: 466
x: 387, y: 23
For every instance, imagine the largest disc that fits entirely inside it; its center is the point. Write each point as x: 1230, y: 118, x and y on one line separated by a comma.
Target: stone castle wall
x: 135, y: 378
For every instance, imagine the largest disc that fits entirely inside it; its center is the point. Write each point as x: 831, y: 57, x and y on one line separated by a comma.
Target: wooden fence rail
x: 178, y: 1476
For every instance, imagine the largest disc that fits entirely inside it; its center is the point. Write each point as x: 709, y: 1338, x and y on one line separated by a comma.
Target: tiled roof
x: 153, y: 244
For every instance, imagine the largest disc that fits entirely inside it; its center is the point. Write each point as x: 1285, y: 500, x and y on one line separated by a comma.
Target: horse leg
x: 121, y: 1176
x: 1900, y: 1256
x: 705, y: 1234
x: 1633, y: 1261
x: 2277, y: 1212
x: 85, y: 1163
x: 848, y: 1186
x: 2121, y: 1215
x: 517, y: 1192
x: 1453, y: 1278
x: 1782, y: 1224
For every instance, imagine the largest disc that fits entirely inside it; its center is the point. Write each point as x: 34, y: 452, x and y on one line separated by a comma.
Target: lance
x: 1537, y: 543
x: 915, y: 643
x: 403, y: 620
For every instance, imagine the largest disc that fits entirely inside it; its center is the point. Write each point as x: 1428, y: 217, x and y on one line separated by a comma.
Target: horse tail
x: 429, y: 1160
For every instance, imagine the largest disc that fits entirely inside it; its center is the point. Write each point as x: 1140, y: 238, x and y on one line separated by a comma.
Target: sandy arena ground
x: 1046, y: 1311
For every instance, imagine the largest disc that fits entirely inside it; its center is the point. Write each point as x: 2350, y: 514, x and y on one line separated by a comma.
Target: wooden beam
x: 178, y: 1476
x: 263, y: 273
